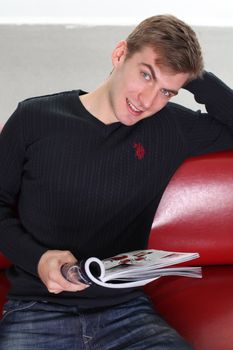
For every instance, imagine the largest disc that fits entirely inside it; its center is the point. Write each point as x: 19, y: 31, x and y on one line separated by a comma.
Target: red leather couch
x: 4, y: 284
x: 194, y: 215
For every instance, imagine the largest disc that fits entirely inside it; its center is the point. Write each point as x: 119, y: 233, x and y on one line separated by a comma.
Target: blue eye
x: 146, y: 76
x: 166, y: 93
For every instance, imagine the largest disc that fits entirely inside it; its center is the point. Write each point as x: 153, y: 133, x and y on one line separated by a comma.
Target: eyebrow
x: 174, y: 92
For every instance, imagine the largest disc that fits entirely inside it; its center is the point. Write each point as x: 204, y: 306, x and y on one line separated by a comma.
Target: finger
x: 76, y: 289
x: 55, y: 291
x: 71, y: 287
x: 62, y: 285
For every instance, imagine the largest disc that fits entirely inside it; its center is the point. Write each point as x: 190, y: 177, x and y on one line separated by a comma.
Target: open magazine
x: 131, y: 269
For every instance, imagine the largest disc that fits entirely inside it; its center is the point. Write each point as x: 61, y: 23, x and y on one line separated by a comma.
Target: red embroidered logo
x: 139, y: 151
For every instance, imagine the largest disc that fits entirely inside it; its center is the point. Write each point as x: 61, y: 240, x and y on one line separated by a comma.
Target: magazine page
x: 156, y: 258
x: 131, y: 269
x: 141, y: 275
x: 138, y: 268
x: 103, y: 282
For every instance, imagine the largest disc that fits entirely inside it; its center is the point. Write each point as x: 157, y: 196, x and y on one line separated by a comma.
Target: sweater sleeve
x: 15, y: 242
x: 211, y: 131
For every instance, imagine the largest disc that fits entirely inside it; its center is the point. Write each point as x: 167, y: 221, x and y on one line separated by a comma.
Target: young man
x: 82, y: 175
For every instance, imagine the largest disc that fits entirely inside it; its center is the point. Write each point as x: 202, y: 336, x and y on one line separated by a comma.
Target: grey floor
x: 38, y: 60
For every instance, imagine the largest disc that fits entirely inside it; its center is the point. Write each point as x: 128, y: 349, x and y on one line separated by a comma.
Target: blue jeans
x: 44, y: 326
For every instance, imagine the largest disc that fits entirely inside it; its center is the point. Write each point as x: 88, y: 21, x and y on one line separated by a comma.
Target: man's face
x: 137, y: 87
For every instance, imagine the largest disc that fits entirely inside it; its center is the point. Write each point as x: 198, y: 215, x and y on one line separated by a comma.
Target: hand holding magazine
x: 131, y: 269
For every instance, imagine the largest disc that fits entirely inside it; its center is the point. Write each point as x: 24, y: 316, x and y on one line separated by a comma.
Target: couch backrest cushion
x: 196, y: 210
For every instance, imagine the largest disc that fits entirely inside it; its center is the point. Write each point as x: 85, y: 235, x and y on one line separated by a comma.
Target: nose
x: 147, y: 97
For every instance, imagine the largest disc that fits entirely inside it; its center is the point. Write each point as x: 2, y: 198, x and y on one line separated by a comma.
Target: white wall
x: 205, y: 12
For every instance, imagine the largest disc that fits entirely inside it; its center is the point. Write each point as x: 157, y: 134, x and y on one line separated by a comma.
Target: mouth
x: 133, y: 109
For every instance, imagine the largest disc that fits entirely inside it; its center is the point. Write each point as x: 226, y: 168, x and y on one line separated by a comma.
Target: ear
x: 119, y: 53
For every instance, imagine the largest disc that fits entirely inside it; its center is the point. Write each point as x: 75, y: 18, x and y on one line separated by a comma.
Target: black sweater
x: 70, y: 182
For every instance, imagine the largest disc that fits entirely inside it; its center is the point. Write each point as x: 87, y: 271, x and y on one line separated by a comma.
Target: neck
x: 97, y: 103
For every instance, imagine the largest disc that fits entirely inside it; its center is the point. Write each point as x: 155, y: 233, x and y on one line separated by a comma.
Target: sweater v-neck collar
x: 97, y: 123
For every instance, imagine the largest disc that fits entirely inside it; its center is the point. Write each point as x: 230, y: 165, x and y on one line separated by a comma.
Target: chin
x: 129, y: 122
